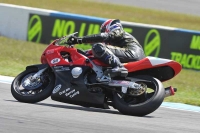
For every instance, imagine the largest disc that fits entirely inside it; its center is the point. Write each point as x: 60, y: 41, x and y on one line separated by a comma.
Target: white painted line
x: 181, y: 106
x: 6, y: 79
x: 179, y: 109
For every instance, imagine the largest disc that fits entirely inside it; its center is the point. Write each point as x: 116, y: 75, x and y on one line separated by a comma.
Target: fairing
x: 163, y: 69
x: 74, y: 90
x: 53, y: 57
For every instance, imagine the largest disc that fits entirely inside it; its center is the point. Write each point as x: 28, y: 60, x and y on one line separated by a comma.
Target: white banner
x: 14, y: 20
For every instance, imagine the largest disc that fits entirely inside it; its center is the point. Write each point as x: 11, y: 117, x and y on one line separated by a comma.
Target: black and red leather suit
x: 117, y: 44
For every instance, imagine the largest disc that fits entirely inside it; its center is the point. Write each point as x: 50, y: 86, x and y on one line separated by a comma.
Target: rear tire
x: 41, y: 92
x: 146, y: 107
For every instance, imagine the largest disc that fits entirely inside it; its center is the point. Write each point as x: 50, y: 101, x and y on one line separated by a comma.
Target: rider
x: 113, y: 46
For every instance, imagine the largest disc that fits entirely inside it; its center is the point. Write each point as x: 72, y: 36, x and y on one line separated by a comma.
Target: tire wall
x: 43, y: 26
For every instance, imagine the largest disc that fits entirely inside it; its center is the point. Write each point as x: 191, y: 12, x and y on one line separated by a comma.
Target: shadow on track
x: 77, y: 107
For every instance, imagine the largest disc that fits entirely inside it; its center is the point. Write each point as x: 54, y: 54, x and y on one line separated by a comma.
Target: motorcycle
x: 73, y: 76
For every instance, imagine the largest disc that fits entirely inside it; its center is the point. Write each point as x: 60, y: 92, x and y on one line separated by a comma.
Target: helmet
x: 110, y: 25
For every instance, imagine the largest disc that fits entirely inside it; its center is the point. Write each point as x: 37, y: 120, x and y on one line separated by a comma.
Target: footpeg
x: 122, y: 73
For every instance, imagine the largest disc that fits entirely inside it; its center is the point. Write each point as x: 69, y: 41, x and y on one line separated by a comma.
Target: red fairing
x: 89, y: 52
x: 152, y: 62
x: 138, y: 65
x: 52, y: 56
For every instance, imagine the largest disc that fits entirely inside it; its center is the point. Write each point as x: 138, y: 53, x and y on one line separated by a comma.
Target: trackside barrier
x: 43, y: 26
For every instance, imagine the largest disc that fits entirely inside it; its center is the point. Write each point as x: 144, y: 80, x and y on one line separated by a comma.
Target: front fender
x: 37, y: 66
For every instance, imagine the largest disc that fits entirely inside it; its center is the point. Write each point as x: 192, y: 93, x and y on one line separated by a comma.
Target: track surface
x: 190, y: 7
x: 51, y: 116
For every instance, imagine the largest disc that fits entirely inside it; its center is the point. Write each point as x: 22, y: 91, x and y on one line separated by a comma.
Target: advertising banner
x: 180, y: 46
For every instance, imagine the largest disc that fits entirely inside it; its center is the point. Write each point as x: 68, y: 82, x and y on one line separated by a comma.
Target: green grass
x: 187, y: 83
x: 16, y: 55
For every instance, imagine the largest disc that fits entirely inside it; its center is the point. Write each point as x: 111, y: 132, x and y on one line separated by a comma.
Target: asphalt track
x: 190, y: 7
x: 51, y: 116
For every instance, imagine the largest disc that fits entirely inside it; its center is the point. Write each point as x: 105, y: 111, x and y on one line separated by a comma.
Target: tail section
x: 155, y: 66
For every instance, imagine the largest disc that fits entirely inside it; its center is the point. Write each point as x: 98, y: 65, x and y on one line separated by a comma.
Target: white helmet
x: 110, y: 25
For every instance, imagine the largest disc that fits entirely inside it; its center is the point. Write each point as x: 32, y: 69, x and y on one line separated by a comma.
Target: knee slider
x: 98, y: 50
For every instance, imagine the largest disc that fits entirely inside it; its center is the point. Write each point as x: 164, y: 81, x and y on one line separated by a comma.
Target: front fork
x: 37, y: 75
x: 34, y: 77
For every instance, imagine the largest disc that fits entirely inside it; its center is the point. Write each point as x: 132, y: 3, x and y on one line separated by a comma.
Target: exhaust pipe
x: 170, y: 91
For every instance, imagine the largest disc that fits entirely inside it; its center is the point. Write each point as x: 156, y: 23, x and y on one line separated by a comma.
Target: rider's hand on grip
x: 74, y: 40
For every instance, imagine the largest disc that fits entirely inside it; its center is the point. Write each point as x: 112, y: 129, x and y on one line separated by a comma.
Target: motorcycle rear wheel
x: 34, y: 92
x: 148, y: 105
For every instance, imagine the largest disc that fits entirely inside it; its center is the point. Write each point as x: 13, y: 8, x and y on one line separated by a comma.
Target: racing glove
x: 74, y: 40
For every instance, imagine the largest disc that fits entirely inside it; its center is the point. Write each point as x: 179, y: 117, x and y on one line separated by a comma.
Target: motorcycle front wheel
x: 26, y: 90
x: 141, y: 105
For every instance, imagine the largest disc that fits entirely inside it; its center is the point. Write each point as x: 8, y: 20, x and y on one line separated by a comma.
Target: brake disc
x: 30, y: 84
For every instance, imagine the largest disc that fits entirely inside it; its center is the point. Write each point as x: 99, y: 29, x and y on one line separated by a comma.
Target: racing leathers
x: 113, y: 48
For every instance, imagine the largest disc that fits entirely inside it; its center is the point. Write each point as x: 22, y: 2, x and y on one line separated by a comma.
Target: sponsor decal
x: 64, y: 91
x: 72, y: 93
x: 187, y: 60
x: 64, y: 27
x: 69, y: 93
x: 152, y: 43
x: 190, y: 60
x: 195, y: 43
x: 34, y: 28
x: 50, y: 51
x: 56, y: 89
x: 61, y: 68
x: 55, y: 60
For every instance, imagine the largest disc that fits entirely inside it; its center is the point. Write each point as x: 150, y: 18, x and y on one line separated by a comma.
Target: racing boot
x: 105, y: 55
x: 117, y: 67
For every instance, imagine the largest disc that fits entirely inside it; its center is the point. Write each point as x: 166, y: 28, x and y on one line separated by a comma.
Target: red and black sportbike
x: 72, y: 76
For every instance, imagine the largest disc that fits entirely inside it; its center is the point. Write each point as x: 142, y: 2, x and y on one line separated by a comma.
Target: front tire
x: 146, y: 106
x: 37, y: 90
